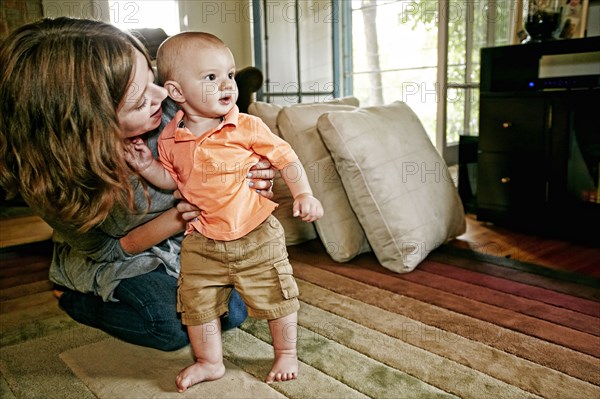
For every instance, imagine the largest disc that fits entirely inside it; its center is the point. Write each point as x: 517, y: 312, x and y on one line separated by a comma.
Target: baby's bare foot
x: 285, y: 367
x: 198, y: 372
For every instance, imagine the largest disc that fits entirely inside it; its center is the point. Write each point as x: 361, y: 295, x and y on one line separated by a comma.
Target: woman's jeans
x: 146, y: 313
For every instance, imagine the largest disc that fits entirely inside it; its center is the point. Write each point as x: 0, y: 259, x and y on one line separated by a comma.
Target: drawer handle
x: 506, y: 125
x: 505, y: 180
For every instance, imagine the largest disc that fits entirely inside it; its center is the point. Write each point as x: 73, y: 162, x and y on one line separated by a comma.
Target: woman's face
x: 140, y: 110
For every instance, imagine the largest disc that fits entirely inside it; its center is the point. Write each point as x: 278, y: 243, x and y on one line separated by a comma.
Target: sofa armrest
x: 249, y: 80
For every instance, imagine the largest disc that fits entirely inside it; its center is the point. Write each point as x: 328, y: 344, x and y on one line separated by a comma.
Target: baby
x: 205, y: 153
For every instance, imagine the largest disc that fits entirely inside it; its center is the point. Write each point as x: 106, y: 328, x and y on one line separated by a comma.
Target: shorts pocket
x: 289, y: 288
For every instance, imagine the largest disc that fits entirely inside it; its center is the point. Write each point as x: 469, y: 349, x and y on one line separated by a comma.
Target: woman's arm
x: 153, y: 232
x: 168, y: 224
x: 109, y: 244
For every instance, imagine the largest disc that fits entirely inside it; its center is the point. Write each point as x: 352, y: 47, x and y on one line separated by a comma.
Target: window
x: 296, y: 43
x: 394, y: 53
x: 426, y: 53
x: 128, y: 14
x: 422, y: 52
x: 475, y: 25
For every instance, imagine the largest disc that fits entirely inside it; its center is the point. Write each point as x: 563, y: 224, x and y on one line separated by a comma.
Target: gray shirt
x: 95, y: 261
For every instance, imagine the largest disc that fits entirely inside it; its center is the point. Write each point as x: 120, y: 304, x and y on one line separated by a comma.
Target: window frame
x: 343, y: 57
x: 261, y: 56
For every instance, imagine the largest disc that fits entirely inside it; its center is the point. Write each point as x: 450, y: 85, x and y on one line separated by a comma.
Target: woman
x: 70, y: 92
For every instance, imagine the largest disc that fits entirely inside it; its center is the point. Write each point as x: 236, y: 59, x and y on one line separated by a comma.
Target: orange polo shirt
x: 210, y: 171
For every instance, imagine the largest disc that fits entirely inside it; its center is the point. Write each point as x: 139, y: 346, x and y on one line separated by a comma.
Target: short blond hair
x: 171, y: 50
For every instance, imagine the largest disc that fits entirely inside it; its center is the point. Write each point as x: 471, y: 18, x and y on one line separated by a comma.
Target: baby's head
x: 198, y: 70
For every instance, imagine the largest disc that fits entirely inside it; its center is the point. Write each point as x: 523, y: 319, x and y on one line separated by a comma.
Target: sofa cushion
x: 267, y: 112
x: 339, y: 228
x: 396, y: 181
x: 296, y: 231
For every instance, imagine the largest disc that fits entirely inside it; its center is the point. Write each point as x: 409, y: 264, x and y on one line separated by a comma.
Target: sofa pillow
x: 396, y: 181
x: 267, y: 112
x: 296, y: 231
x: 339, y: 229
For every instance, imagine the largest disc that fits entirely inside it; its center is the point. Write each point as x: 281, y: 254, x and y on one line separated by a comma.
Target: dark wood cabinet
x: 539, y: 140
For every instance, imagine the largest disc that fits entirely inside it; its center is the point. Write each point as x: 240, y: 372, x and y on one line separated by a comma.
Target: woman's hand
x: 187, y: 211
x: 261, y: 177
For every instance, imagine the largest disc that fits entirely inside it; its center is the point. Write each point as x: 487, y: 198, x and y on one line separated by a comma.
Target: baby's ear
x: 174, y: 90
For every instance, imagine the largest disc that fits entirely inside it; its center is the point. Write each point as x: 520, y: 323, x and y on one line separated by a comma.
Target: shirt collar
x: 232, y: 117
x: 179, y: 131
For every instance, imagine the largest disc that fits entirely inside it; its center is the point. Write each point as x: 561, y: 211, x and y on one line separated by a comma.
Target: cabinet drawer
x: 510, y: 182
x: 512, y: 124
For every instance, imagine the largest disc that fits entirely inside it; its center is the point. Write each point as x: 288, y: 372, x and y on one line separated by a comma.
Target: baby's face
x: 207, y: 82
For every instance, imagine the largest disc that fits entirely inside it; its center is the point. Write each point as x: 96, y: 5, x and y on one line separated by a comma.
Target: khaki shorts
x: 256, y: 265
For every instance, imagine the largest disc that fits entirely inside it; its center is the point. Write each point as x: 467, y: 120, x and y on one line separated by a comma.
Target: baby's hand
x: 137, y: 154
x: 307, y: 207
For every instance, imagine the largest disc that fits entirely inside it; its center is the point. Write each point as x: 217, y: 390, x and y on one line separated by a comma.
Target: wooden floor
x: 27, y: 265
x: 553, y: 253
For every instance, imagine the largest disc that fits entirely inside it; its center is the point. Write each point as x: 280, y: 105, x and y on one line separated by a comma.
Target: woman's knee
x: 168, y: 337
x: 237, y: 312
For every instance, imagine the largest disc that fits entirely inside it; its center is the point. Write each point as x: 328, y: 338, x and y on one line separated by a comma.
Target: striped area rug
x: 461, y: 325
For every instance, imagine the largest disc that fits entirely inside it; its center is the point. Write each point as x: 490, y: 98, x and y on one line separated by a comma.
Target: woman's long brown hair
x: 61, y: 83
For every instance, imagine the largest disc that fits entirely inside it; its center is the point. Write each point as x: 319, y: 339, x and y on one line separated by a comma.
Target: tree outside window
x: 395, y: 55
